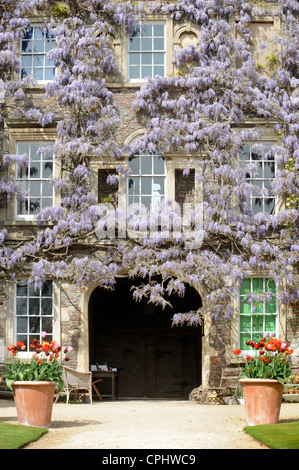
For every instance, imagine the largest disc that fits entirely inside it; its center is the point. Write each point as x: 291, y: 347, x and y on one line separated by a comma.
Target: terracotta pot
x: 34, y: 402
x: 262, y: 399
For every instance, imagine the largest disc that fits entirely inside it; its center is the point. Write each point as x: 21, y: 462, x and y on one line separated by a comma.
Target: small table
x: 98, y: 375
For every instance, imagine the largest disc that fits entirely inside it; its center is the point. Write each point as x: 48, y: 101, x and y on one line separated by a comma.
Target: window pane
x: 38, y: 33
x: 146, y: 44
x: 34, y: 153
x: 134, y: 44
x: 27, y: 61
x: 38, y: 46
x: 146, y: 71
x: 38, y: 74
x: 28, y: 33
x: 35, y: 188
x: 243, y: 338
x: 158, y: 186
x: 47, y: 325
x: 134, y: 59
x: 246, y: 287
x: 159, y: 165
x: 47, y: 190
x: 47, y: 202
x: 269, y: 170
x: 146, y: 201
x: 21, y: 307
x: 32, y: 291
x: 146, y: 165
x: 47, y: 289
x: 245, y: 323
x: 270, y: 307
x: 158, y: 30
x: 46, y: 307
x: 159, y: 44
x: 134, y: 186
x: 257, y: 336
x: 134, y: 165
x: 270, y: 284
x: 259, y: 308
x: 47, y: 170
x: 49, y: 45
x: 22, y: 324
x: 245, y: 307
x: 25, y: 73
x: 34, y: 307
x: 39, y: 60
x: 49, y: 73
x: 158, y: 70
x: 257, y: 323
x: 146, y: 30
x: 269, y: 205
x: 34, y: 325
x: 22, y: 289
x: 158, y: 58
x: 34, y: 206
x: 146, y: 185
x: 257, y: 285
x: 23, y: 339
x: 270, y: 323
x: 27, y: 46
x: 146, y: 58
x: 134, y: 73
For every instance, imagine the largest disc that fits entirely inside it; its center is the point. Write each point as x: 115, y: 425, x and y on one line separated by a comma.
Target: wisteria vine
x: 201, y: 113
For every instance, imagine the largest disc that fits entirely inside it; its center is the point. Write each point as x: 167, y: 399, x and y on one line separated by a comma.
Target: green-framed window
x: 257, y: 317
x: 33, y: 312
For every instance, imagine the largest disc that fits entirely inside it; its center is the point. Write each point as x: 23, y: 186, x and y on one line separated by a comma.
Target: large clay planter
x: 34, y: 402
x: 262, y: 400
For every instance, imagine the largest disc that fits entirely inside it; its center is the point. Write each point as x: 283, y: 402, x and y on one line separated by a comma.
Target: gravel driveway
x: 146, y: 424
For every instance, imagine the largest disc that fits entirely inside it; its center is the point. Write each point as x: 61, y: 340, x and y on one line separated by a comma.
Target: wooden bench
x: 228, y: 387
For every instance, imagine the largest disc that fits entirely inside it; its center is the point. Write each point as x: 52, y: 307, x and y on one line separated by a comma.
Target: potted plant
x: 262, y: 379
x: 33, y: 383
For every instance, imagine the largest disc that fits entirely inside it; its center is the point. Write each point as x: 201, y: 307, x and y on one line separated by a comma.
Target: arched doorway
x: 154, y: 360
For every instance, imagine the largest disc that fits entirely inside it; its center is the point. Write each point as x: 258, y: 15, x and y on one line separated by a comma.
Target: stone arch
x: 154, y: 359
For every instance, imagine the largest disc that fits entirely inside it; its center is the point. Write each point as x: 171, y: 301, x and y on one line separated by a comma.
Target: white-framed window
x: 34, y: 179
x: 261, y: 198
x: 33, y: 312
x: 258, y: 317
x: 147, y: 180
x: 35, y: 45
x: 147, y: 51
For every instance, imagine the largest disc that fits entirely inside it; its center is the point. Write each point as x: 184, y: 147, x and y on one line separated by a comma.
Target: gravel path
x: 146, y: 424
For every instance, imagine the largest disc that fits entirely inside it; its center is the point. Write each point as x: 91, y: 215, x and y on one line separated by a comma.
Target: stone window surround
x: 282, y: 312
x: 277, y: 199
x: 28, y: 135
x: 42, y: 181
x: 8, y: 314
x: 35, y: 24
x: 172, y: 163
x: 173, y: 35
x: 29, y: 315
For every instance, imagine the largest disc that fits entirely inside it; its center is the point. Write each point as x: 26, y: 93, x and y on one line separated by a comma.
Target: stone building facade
x: 150, y: 351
